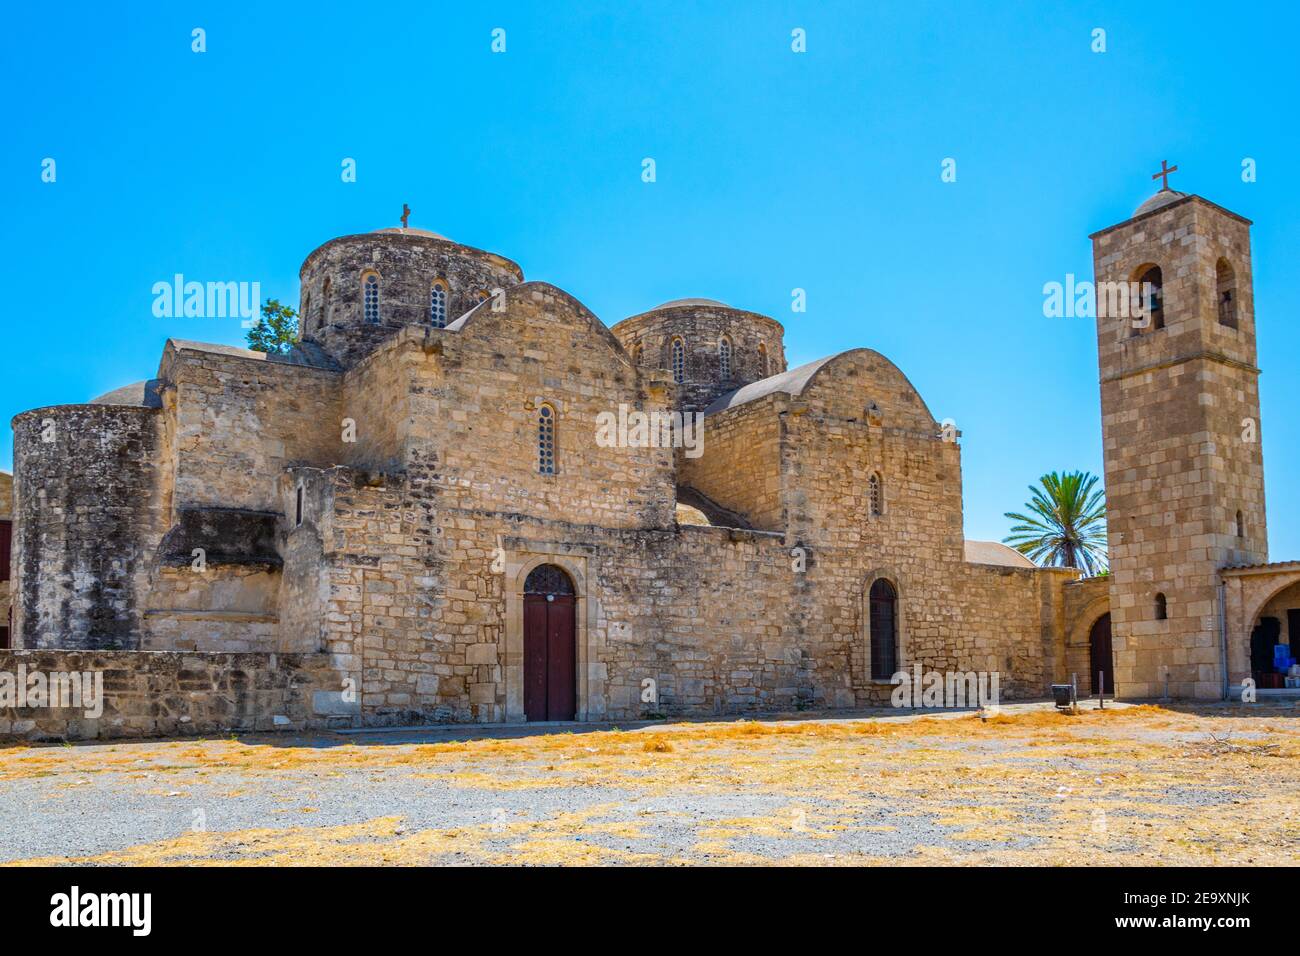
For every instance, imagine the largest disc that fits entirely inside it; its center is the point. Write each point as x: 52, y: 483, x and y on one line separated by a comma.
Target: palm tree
x: 1066, y: 526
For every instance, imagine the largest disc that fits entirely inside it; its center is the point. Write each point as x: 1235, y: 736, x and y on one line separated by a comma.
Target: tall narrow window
x: 638, y: 354
x: 1241, y: 524
x: 297, y: 507
x: 762, y: 360
x: 1162, y: 608
x: 883, y: 617
x: 1226, y: 284
x: 371, y: 298
x: 438, y: 306
x: 679, y: 361
x: 875, y: 499
x: 1152, y: 299
x: 724, y: 359
x: 325, y: 303
x: 305, y: 318
x: 6, y: 542
x: 546, y: 440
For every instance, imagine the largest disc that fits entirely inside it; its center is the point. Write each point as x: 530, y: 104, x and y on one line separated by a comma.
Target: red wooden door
x: 1100, y: 660
x: 535, y: 655
x: 561, y: 662
x: 550, y: 657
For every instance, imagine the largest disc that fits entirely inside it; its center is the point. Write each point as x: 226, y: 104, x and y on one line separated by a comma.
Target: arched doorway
x: 550, y: 647
x: 1100, y: 659
x: 883, y: 621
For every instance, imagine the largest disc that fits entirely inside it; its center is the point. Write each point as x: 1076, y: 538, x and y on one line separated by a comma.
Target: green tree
x: 277, y: 330
x: 1066, y: 524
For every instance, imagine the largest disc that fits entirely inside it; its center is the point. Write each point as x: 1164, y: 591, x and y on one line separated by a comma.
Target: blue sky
x: 775, y: 170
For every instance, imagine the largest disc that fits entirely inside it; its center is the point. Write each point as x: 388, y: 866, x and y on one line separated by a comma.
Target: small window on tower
x: 724, y: 359
x: 297, y: 508
x: 325, y: 303
x: 679, y: 361
x: 1226, y: 284
x: 638, y: 354
x: 1162, y: 608
x: 1241, y: 524
x: 762, y: 360
x: 438, y: 305
x: 546, y: 440
x: 875, y: 499
x: 370, y: 298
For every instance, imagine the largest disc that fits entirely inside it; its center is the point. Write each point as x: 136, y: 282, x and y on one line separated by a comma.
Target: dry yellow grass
x: 1125, y: 785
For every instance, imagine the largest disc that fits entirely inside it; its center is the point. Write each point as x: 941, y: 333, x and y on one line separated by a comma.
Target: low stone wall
x: 166, y: 693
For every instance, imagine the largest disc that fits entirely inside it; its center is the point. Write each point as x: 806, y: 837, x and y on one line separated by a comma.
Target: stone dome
x: 677, y: 303
x: 1161, y: 199
x: 143, y: 393
x: 411, y: 231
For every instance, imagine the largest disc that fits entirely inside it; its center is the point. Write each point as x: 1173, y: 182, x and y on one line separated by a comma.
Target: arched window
x: 1241, y: 524
x: 1162, y: 608
x: 548, y: 579
x: 1151, y: 299
x: 638, y: 354
x: 305, y: 318
x: 546, y: 440
x: 883, y: 634
x: 679, y: 361
x: 370, y: 297
x: 875, y: 496
x: 325, y: 303
x: 724, y: 359
x: 438, y: 305
x: 762, y: 360
x: 1226, y: 285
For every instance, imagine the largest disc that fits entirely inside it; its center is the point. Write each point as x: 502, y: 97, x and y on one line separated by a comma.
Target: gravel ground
x: 834, y: 790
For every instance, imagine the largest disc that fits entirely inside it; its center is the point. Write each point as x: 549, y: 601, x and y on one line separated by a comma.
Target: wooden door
x: 535, y: 654
x: 1100, y: 659
x: 550, y: 646
x: 561, y: 659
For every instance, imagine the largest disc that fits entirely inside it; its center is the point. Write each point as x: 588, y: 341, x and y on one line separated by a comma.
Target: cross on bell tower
x: 1163, y: 175
x: 406, y: 212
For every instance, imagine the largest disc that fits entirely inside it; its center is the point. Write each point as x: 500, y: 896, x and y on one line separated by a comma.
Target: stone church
x: 408, y: 516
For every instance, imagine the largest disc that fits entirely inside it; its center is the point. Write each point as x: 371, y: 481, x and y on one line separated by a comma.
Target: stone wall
x: 240, y: 418
x: 90, y: 504
x: 741, y: 464
x: 474, y: 407
x: 173, y: 693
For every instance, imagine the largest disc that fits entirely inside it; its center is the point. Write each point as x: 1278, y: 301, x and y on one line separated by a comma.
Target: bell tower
x: 1181, y: 435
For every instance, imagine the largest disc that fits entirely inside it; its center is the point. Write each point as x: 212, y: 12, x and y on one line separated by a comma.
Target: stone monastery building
x: 409, y: 518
